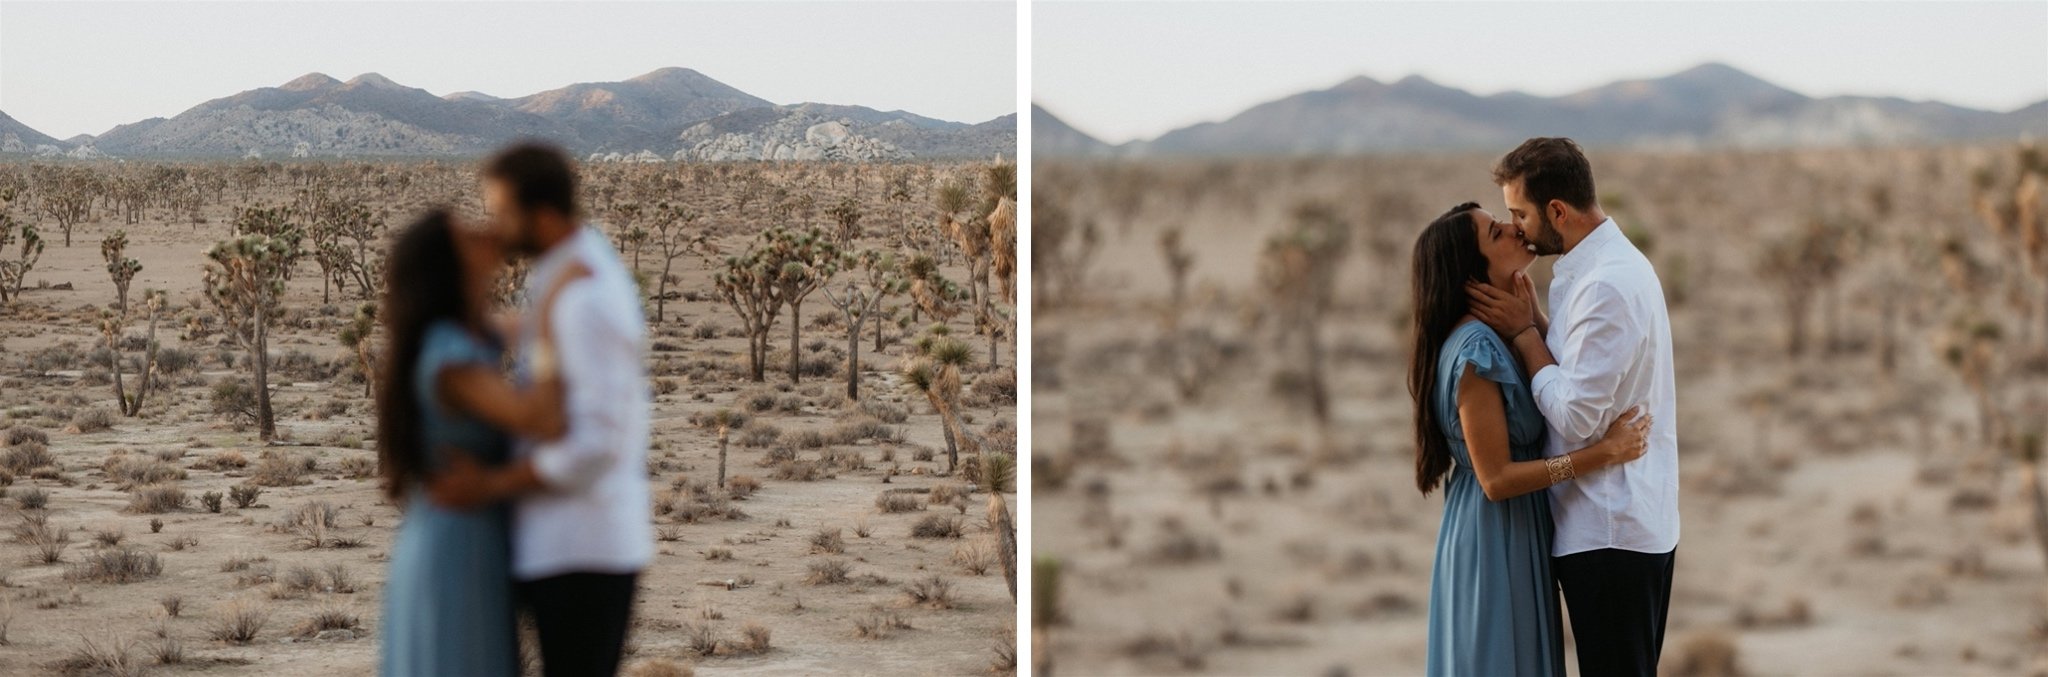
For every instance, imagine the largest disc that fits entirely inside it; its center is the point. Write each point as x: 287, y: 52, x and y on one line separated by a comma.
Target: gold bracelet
x: 1561, y: 468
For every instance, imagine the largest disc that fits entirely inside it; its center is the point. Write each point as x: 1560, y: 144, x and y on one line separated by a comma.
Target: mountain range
x: 668, y: 114
x: 1707, y: 106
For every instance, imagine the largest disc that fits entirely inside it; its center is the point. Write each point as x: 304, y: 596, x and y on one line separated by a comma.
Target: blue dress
x: 1493, y: 607
x: 448, y: 599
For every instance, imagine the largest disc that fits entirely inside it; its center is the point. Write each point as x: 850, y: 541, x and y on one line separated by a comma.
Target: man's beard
x: 1544, y: 239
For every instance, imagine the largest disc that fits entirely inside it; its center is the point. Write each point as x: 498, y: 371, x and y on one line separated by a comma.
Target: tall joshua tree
x: 746, y: 284
x: 935, y: 373
x: 1299, y: 269
x: 675, y: 235
x: 356, y: 337
x: 113, y: 325
x: 875, y: 277
x: 114, y: 250
x: 14, y: 272
x: 1803, y: 264
x: 805, y: 262
x: 245, y: 282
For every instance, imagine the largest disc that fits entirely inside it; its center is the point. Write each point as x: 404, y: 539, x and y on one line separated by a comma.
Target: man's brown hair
x: 1550, y: 168
x: 540, y: 176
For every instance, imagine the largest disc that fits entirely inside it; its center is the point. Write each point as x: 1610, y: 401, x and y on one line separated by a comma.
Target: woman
x: 448, y: 600
x: 1493, y: 606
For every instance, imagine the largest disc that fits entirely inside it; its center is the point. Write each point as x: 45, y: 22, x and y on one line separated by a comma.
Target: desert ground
x: 840, y: 544
x: 1861, y: 506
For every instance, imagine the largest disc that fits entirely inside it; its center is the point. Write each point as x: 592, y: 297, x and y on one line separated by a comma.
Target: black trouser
x: 1618, y: 601
x: 582, y: 619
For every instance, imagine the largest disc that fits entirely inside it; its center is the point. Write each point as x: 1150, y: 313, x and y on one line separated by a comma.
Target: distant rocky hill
x: 1712, y: 105
x: 668, y: 113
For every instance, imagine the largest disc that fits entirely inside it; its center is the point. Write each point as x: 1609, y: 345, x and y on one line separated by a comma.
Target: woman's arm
x: 1483, y: 415
x: 481, y: 391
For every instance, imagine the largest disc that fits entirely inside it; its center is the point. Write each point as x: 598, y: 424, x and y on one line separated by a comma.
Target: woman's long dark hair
x: 423, y: 282
x: 1446, y: 257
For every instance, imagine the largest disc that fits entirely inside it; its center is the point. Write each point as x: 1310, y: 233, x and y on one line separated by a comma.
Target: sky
x: 1130, y: 70
x: 68, y: 68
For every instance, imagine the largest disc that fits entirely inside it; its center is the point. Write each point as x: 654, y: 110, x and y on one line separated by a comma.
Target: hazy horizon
x: 1205, y: 62
x: 79, y: 68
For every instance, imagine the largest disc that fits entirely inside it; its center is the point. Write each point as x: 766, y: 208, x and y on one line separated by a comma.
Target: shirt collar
x: 553, y: 259
x: 1572, y: 262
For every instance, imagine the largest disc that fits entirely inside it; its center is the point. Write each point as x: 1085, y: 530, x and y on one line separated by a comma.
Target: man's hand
x: 1507, y: 313
x: 462, y: 485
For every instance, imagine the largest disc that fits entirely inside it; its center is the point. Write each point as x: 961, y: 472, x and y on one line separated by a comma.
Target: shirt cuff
x: 1540, y: 383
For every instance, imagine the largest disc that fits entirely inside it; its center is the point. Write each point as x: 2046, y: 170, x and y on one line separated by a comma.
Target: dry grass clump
x: 244, y: 495
x: 20, y: 434
x: 116, y: 565
x: 157, y: 499
x: 114, y: 657
x: 31, y: 498
x: 975, y: 556
x: 96, y: 419
x: 827, y: 572
x: 932, y: 592
x: 129, y: 470
x: 879, y: 625
x: 828, y: 542
x: 898, y: 501
x: 26, y: 457
x: 222, y: 461
x: 937, y: 526
x: 313, y: 524
x: 238, y: 620
x: 46, y: 545
x: 742, y: 486
x: 798, y: 471
x: 281, y: 470
x: 327, y: 618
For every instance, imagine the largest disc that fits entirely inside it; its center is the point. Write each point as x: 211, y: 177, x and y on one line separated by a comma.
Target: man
x: 1606, y: 349
x: 582, y: 527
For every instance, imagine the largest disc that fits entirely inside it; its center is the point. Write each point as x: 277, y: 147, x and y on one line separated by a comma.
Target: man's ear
x: 1558, y: 210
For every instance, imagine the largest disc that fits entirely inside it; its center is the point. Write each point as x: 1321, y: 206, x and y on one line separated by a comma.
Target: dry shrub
x: 244, y: 495
x: 239, y: 620
x: 945, y: 493
x: 828, y: 542
x: 46, y: 545
x: 314, y: 523
x: 31, y: 498
x: 20, y: 434
x: 827, y: 572
x: 753, y: 639
x: 937, y: 526
x: 281, y: 470
x: 116, y: 565
x: 157, y: 499
x: 327, y: 618
x: 93, y: 420
x: 879, y: 625
x: 24, y: 458
x: 128, y: 471
x: 798, y: 471
x: 932, y: 592
x: 742, y: 486
x: 975, y: 556
x: 114, y: 657
x: 701, y: 637
x: 222, y: 461
x: 897, y: 501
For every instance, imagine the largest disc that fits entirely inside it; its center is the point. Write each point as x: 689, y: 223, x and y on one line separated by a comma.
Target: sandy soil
x: 726, y: 559
x: 1839, y: 517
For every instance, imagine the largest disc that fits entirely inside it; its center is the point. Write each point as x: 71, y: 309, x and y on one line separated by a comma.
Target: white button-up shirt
x: 595, y: 515
x: 1611, y: 337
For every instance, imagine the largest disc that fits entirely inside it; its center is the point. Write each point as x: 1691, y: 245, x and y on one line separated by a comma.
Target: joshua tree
x: 1802, y: 265
x: 1002, y: 230
x: 846, y: 216
x: 1178, y: 262
x: 930, y: 292
x: 1298, y: 269
x: 673, y: 234
x: 804, y: 263
x: 113, y: 249
x: 875, y: 277
x: 748, y: 286
x: 245, y: 281
x: 15, y: 272
x: 356, y: 337
x: 2012, y: 208
x: 935, y: 373
x: 343, y: 232
x: 112, y: 325
x: 64, y: 194
x: 1062, y: 247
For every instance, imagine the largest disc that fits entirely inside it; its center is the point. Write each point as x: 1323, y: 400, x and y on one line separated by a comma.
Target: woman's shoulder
x: 1476, y: 344
x: 448, y: 339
